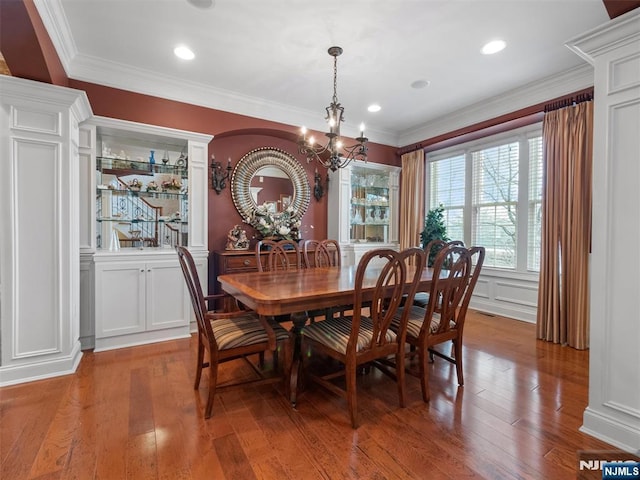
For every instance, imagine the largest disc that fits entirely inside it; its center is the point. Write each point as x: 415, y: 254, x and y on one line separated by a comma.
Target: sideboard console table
x: 235, y: 261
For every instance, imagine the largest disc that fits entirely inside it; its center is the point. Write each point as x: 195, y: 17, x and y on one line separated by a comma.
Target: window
x: 491, y: 191
x: 535, y: 203
x: 447, y: 189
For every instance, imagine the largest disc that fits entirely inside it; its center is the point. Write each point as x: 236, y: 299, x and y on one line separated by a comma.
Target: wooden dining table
x: 292, y: 291
x: 297, y: 291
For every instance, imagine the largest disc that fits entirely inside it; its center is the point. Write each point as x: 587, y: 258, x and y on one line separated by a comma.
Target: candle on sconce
x: 304, y: 133
x: 362, y: 130
x: 229, y: 162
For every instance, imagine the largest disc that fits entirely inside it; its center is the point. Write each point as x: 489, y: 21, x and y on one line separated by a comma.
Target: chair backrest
x: 281, y: 255
x: 308, y: 252
x: 435, y: 245
x: 477, y: 259
x: 327, y: 254
x: 451, y: 276
x: 395, y: 279
x: 198, y: 301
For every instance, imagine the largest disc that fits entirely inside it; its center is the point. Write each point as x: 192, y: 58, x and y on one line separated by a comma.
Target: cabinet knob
x: 149, y: 270
x: 142, y: 270
x: 247, y: 262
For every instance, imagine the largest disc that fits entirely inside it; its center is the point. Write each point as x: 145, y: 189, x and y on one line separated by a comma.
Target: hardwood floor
x: 132, y: 413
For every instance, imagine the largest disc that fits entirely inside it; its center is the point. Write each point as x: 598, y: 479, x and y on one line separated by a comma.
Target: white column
x: 39, y: 214
x: 613, y: 413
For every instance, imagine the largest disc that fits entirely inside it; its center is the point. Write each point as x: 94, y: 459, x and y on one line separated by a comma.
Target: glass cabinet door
x: 369, y: 214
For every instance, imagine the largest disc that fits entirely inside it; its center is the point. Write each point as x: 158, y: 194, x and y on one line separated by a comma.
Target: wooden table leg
x: 298, y: 320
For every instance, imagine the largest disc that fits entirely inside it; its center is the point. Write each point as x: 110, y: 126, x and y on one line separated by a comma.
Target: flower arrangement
x: 152, y: 186
x: 172, y: 184
x: 135, y: 185
x: 281, y: 225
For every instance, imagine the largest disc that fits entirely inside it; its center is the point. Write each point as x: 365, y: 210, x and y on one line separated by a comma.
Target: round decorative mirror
x: 272, y: 177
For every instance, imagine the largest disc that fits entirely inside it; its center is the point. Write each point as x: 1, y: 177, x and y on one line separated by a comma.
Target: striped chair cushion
x: 242, y: 331
x: 334, y: 333
x: 416, y: 319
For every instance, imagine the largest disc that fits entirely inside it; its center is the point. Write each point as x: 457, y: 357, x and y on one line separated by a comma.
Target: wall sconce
x: 219, y: 176
x: 318, y: 189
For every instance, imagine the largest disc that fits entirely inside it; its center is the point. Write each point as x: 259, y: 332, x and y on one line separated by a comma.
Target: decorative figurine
x: 237, y: 239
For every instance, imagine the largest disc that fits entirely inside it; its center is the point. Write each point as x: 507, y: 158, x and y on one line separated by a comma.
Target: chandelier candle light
x: 335, y: 116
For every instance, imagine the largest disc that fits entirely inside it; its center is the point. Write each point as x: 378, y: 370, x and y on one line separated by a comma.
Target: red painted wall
x: 26, y: 45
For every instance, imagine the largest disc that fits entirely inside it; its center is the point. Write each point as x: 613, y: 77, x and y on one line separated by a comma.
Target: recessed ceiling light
x: 420, y: 84
x: 183, y: 52
x: 201, y: 3
x: 493, y: 47
x: 374, y: 108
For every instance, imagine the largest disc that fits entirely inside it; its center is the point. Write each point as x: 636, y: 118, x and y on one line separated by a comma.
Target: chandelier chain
x: 335, y: 79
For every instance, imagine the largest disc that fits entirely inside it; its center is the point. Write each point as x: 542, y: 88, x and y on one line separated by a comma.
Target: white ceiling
x: 268, y: 58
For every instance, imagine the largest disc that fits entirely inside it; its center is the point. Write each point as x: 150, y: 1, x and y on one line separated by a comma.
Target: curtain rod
x: 569, y: 101
x: 535, y: 112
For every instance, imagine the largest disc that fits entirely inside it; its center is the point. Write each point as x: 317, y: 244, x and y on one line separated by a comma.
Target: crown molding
x: 55, y: 21
x: 31, y: 91
x: 620, y: 31
x: 533, y: 93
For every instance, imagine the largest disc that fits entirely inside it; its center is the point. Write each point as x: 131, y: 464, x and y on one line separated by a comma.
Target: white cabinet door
x: 166, y: 296
x: 120, y: 298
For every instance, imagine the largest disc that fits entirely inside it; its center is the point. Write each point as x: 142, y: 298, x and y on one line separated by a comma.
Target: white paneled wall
x: 613, y: 413
x: 508, y: 294
x: 39, y: 211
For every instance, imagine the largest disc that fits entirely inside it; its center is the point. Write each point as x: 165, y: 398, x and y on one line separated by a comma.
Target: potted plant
x: 434, y: 229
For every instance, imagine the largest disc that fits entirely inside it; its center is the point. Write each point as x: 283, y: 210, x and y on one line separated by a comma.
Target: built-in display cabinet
x: 147, y: 187
x: 364, y: 198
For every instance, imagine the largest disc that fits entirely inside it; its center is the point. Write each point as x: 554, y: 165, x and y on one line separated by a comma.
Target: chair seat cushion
x: 334, y: 333
x: 415, y: 321
x: 242, y: 331
x: 421, y: 299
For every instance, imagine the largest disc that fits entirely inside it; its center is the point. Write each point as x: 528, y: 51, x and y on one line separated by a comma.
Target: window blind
x: 534, y: 230
x: 447, y: 188
x: 494, y: 203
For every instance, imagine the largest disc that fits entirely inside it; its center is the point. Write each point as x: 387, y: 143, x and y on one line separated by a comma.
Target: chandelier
x: 329, y: 155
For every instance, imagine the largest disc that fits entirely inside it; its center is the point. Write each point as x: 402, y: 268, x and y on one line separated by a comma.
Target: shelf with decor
x: 136, y: 186
x: 147, y: 190
x: 123, y: 167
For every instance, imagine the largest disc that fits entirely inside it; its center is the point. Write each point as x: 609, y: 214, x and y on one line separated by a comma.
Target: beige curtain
x: 412, y: 199
x: 563, y: 295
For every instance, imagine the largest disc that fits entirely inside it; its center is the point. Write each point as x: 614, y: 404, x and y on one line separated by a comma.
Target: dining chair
x: 455, y: 273
x: 227, y: 336
x: 433, y: 247
x: 280, y: 255
x: 359, y: 339
x: 323, y: 253
x: 308, y: 252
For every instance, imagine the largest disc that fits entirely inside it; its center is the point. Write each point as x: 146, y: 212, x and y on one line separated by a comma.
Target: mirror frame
x: 256, y: 159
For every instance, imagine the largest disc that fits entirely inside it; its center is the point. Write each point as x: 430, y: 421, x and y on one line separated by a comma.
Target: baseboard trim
x: 611, y: 430
x: 42, y: 369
